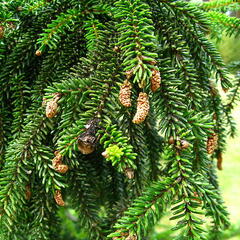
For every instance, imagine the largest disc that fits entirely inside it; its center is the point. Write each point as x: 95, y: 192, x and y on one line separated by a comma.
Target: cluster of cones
x: 142, y: 101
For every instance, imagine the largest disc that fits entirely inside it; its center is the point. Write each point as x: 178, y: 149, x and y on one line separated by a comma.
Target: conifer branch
x: 198, y: 36
x: 58, y: 26
x: 170, y: 101
x: 137, y: 40
x: 233, y: 95
x: 17, y: 171
x: 155, y: 145
x: 144, y: 210
x: 116, y: 75
x: 85, y: 203
x: 216, y: 4
x: 229, y: 24
x: 42, y: 220
x: 34, y: 6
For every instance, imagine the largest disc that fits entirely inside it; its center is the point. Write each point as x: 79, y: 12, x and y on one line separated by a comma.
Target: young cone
x: 1, y: 32
x: 38, y: 53
x: 212, y: 143
x: 155, y: 80
x: 131, y: 237
x: 142, y: 108
x: 52, y: 106
x: 125, y: 94
x: 58, y: 198
x: 57, y: 163
x: 129, y: 172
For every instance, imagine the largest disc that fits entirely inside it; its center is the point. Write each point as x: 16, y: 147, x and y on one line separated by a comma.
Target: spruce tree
x: 110, y: 108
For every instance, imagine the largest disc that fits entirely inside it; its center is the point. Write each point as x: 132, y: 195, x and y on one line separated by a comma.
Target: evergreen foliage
x: 222, y: 22
x: 218, y: 12
x: 122, y: 94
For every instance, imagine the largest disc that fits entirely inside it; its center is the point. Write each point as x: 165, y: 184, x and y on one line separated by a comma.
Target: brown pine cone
x: 38, y: 53
x: 129, y: 172
x: 57, y: 163
x: 51, y: 109
x: 58, y: 198
x: 212, y: 143
x: 86, y: 145
x: 184, y: 144
x: 125, y: 94
x: 142, y: 108
x: 129, y: 73
x: 132, y: 237
x: 1, y: 31
x: 62, y: 168
x: 52, y: 106
x: 155, y: 80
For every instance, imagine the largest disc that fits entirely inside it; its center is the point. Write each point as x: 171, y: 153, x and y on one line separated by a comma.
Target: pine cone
x: 129, y: 73
x: 212, y: 143
x: 57, y: 163
x: 132, y: 237
x: 184, y: 144
x: 125, y: 94
x: 142, y: 108
x: 58, y: 198
x: 1, y: 31
x: 155, y: 80
x: 129, y: 172
x: 57, y: 159
x: 51, y: 109
x: 52, y: 106
x: 62, y: 168
x: 38, y: 53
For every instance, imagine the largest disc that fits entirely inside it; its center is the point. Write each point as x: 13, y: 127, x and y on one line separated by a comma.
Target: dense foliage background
x: 114, y: 117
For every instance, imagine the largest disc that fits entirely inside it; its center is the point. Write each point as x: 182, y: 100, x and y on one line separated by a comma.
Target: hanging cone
x: 142, y: 108
x: 58, y: 198
x: 129, y: 172
x: 87, y: 141
x: 155, y: 80
x: 212, y: 143
x: 125, y: 94
x: 38, y: 53
x: 132, y: 237
x: 52, y: 106
x: 1, y: 31
x: 184, y: 144
x: 57, y: 163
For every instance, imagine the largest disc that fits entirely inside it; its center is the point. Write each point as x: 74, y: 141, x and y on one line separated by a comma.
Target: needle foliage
x: 111, y: 110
